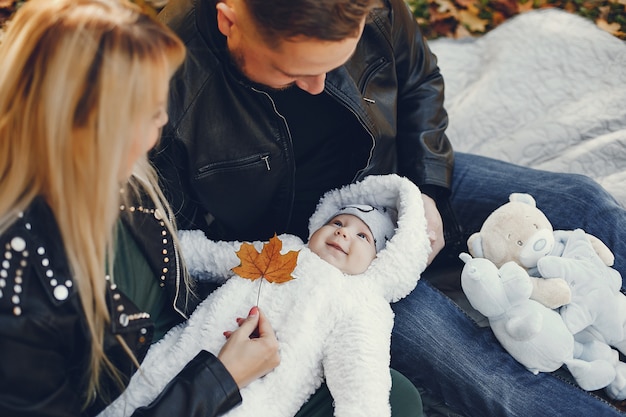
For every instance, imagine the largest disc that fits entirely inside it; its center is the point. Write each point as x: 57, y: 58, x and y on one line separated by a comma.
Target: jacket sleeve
x: 424, y: 152
x: 203, y: 388
x: 36, y: 365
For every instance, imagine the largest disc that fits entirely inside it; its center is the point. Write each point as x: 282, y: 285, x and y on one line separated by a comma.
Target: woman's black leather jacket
x: 43, y: 334
x: 226, y: 157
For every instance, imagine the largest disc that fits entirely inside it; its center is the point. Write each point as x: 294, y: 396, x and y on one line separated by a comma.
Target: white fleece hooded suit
x: 330, y: 326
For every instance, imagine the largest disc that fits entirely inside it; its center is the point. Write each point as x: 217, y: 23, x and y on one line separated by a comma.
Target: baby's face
x: 345, y: 242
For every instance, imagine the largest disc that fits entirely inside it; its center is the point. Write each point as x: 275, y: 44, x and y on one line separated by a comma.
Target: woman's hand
x: 251, y: 351
x: 434, y: 227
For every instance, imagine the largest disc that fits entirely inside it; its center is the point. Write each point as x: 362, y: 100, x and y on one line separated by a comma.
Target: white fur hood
x: 394, y: 268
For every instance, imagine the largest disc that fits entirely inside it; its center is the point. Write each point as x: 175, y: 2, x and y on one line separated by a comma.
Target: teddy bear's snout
x: 540, y: 244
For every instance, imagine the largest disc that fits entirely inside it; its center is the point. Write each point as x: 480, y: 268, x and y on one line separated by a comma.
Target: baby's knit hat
x: 380, y: 220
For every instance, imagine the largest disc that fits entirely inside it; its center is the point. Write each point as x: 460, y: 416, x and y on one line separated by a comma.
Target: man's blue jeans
x: 441, y: 349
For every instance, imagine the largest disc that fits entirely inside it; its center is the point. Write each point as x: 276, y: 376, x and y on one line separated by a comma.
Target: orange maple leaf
x: 269, y: 263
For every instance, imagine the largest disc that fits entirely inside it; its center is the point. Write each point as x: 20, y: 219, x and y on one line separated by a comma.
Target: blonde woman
x: 89, y: 273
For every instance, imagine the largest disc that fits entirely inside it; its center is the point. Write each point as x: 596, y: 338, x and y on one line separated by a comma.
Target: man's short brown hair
x: 328, y: 20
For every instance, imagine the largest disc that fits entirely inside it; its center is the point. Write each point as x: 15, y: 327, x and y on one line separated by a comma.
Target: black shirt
x: 322, y: 134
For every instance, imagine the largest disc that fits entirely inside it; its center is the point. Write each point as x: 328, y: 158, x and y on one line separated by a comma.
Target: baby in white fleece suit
x: 333, y: 321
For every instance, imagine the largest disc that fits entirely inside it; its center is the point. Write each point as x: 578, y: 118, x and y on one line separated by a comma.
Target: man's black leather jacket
x: 44, y: 338
x: 226, y: 157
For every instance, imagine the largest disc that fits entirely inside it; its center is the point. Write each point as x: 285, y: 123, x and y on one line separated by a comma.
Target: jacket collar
x: 206, y: 23
x: 154, y: 239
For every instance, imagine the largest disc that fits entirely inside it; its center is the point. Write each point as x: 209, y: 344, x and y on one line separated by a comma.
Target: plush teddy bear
x: 596, y: 297
x: 594, y: 309
x: 518, y: 231
x: 533, y: 334
x: 597, y: 312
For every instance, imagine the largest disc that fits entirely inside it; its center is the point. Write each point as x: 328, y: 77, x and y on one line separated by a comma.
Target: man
x: 283, y: 100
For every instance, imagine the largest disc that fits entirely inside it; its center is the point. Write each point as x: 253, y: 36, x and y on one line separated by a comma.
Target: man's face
x: 302, y: 61
x: 345, y: 242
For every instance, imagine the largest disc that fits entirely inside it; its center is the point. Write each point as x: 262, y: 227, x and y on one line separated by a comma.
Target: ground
x: 460, y: 18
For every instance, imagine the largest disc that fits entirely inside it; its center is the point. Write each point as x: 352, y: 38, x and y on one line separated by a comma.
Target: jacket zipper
x: 233, y: 165
x: 360, y: 119
x: 177, y: 260
x: 378, y: 64
x: 276, y: 112
x: 286, y: 149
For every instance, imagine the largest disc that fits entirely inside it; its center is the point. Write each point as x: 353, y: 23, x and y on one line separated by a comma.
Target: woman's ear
x: 226, y: 18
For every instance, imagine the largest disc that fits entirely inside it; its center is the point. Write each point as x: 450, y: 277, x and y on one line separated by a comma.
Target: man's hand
x: 248, y: 358
x: 434, y: 227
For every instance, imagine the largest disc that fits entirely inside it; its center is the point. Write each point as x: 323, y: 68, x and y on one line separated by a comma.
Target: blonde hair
x: 76, y: 75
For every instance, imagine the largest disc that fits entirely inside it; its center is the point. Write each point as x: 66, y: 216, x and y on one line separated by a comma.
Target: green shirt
x: 135, y: 278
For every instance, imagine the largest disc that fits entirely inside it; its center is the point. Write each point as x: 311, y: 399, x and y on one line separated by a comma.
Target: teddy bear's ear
x: 523, y: 198
x: 475, y: 245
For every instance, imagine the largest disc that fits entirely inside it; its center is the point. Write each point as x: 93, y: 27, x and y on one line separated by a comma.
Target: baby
x: 333, y: 321
x: 351, y: 238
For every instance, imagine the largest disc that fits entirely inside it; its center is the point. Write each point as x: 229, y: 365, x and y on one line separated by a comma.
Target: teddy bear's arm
x: 551, y: 292
x: 602, y: 250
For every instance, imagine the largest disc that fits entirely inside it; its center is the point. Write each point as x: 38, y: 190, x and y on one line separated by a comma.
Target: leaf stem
x: 259, y: 293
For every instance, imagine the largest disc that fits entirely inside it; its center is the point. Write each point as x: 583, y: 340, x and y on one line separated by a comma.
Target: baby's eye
x: 337, y: 223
